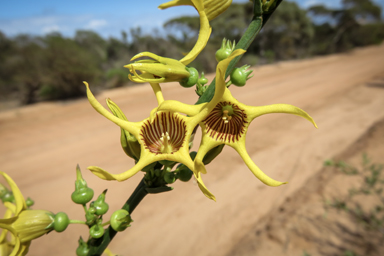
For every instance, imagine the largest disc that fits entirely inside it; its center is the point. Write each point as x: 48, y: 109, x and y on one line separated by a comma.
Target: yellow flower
x: 160, y: 69
x: 205, y: 27
x: 212, y: 8
x: 227, y: 124
x: 24, y: 225
x: 156, y: 70
x: 165, y: 135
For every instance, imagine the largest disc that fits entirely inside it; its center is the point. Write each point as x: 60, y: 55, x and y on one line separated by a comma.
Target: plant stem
x: 98, y: 246
x: 77, y: 222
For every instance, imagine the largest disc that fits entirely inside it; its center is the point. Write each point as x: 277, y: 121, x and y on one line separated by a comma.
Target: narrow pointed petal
x: 177, y: 106
x: 174, y: 3
x: 160, y: 70
x: 157, y: 90
x: 145, y: 77
x: 129, y: 126
x: 203, y: 188
x: 278, y: 108
x: 204, y: 34
x: 19, y: 199
x: 205, y: 145
x: 8, y: 214
x: 101, y: 173
x: 240, y: 148
x: 146, y: 54
x: 216, y: 7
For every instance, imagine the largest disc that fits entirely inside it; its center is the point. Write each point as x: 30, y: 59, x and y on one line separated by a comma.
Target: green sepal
x: 100, y: 205
x: 97, y: 230
x: 239, y: 76
x: 120, y: 220
x: 225, y: 50
x: 83, y: 248
x: 82, y: 194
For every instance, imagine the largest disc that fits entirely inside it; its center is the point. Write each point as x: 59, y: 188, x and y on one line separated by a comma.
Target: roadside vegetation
x: 52, y: 67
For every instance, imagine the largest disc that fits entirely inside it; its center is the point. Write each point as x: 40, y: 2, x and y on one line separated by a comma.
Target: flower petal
x: 174, y: 3
x: 177, y: 106
x: 19, y: 199
x: 240, y: 148
x: 101, y: 173
x: 203, y: 188
x: 204, y: 34
x: 132, y: 128
x: 205, y: 145
x: 254, y: 112
x: 145, y: 54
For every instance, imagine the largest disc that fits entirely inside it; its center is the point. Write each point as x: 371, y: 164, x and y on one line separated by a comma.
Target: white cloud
x: 50, y: 29
x: 95, y: 24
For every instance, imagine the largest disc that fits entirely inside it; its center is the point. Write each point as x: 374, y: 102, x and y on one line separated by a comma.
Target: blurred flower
x: 156, y: 70
x: 212, y: 8
x: 24, y: 225
x: 228, y: 123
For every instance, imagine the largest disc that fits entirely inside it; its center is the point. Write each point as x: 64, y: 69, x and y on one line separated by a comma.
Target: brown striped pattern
x: 152, y: 134
x: 231, y: 131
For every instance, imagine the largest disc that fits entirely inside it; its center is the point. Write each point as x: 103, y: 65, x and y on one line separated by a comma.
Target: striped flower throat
x: 226, y: 122
x: 165, y: 135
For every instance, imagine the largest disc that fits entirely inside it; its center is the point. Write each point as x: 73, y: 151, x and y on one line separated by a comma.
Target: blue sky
x: 108, y: 18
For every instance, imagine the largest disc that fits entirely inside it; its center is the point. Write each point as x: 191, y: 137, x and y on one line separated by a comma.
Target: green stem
x: 98, y: 246
x: 106, y: 223
x: 257, y: 23
x: 77, y: 222
x: 85, y: 208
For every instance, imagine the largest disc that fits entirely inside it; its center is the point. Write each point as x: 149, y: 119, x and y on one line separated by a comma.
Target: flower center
x: 226, y: 122
x: 165, y: 135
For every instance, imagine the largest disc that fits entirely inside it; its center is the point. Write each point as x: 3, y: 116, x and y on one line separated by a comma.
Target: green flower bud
x: 192, y: 79
x: 167, y: 162
x: 90, y: 217
x: 60, y: 222
x: 149, y: 167
x: 3, y: 190
x: 202, y: 80
x: 100, y: 205
x: 83, y: 248
x: 120, y: 220
x: 169, y: 177
x: 8, y: 197
x: 97, y: 230
x: 226, y: 49
x: 82, y: 194
x: 212, y: 154
x: 29, y: 202
x: 128, y: 142
x: 184, y: 173
x: 239, y: 76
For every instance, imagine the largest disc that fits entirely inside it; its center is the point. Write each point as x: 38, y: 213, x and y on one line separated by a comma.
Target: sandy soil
x: 41, y: 145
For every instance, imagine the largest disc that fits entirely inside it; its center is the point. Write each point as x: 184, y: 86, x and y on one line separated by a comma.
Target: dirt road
x: 41, y: 145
